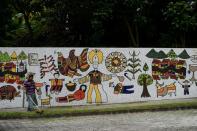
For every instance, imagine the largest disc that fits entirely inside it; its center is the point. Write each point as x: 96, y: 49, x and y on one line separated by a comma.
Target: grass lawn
x: 104, y: 109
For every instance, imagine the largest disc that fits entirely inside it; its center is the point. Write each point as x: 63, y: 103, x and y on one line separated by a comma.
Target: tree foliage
x: 98, y: 23
x: 182, y: 18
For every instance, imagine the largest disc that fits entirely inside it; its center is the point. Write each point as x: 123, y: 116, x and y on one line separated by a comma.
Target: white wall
x: 107, y: 93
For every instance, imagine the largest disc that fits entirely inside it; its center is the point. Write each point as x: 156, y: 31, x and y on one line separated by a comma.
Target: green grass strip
x: 102, y: 109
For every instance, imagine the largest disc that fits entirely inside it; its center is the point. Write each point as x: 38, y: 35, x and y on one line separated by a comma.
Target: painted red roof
x: 156, y: 61
x: 10, y: 64
x: 182, y: 62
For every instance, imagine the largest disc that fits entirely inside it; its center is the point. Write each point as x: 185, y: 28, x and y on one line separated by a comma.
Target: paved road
x: 183, y: 120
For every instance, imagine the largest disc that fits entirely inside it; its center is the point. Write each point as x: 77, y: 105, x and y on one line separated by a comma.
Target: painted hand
x: 76, y: 80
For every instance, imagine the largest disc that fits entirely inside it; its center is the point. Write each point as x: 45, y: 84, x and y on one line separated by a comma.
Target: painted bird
x: 68, y: 66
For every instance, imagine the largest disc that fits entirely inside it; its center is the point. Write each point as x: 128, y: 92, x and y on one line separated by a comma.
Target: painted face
x: 30, y: 78
x: 95, y: 62
x: 56, y: 76
x: 21, y: 67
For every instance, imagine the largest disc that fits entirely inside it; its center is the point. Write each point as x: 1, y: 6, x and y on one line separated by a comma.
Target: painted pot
x: 71, y: 86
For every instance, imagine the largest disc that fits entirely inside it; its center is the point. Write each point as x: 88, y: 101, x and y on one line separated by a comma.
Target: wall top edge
x: 104, y: 47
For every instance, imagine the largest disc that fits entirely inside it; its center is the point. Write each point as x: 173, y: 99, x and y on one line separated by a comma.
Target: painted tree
x: 152, y: 54
x: 22, y: 56
x: 156, y: 55
x: 145, y: 68
x: 161, y: 55
x: 171, y: 54
x: 184, y: 55
x: 5, y: 57
x: 145, y: 80
x: 13, y: 56
x: 133, y: 64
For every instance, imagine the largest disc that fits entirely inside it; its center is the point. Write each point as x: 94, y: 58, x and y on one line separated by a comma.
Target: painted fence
x: 83, y: 76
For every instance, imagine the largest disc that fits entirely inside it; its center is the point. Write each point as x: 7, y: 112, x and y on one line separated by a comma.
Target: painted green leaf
x: 145, y: 67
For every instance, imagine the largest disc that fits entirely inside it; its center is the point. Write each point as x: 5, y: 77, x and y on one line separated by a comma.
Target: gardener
x: 30, y: 88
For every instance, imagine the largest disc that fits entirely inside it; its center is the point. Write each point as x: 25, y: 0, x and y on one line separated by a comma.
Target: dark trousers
x: 186, y: 92
x: 127, y: 89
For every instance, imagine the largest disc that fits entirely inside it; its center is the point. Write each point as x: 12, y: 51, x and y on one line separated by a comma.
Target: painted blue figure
x: 127, y: 89
x: 120, y: 89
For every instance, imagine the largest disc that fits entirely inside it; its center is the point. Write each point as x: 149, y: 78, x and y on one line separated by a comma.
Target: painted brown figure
x: 68, y: 66
x: 8, y: 92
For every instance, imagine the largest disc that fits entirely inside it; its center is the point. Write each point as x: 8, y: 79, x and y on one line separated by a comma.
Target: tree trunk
x: 27, y: 23
x: 145, y: 92
x: 130, y: 32
x: 182, y: 39
x: 137, y: 35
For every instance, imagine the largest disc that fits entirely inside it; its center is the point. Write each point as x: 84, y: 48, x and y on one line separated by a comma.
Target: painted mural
x: 83, y: 76
x: 68, y: 66
x: 166, y: 66
x: 12, y: 67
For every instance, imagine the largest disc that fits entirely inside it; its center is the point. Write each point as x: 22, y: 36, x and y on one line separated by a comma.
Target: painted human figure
x: 186, y: 85
x: 95, y: 77
x: 123, y: 89
x: 56, y: 84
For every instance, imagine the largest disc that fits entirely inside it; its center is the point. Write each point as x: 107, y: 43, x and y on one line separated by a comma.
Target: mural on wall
x: 168, y: 66
x: 46, y: 101
x: 22, y: 56
x: 193, y: 69
x: 47, y: 64
x: 56, y: 84
x: 82, y: 76
x: 122, y: 89
x: 145, y: 80
x: 193, y: 58
x: 133, y: 65
x: 165, y: 90
x: 95, y: 77
x: 4, y: 57
x: 8, y: 92
x: 13, y: 56
x: 46, y: 87
x: 116, y: 62
x: 68, y: 66
x: 186, y: 85
x: 33, y: 59
x: 71, y: 86
x: 13, y: 68
x: 76, y: 96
